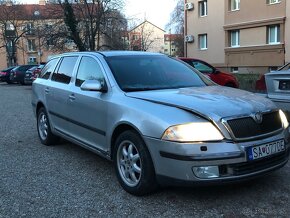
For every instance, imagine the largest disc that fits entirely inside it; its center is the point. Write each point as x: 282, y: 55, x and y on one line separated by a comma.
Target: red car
x: 219, y: 77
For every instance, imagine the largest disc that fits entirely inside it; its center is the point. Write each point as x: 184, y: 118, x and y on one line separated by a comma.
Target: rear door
x: 59, y: 91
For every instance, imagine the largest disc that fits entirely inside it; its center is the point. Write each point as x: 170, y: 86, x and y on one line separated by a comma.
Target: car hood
x: 214, y: 102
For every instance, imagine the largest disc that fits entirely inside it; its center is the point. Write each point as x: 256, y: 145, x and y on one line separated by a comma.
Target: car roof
x: 111, y: 53
x: 126, y: 53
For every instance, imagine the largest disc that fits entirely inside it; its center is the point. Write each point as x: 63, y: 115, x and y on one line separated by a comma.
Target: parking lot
x: 68, y: 181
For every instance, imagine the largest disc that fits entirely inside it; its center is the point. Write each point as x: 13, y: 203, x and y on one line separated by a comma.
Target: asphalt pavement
x: 66, y: 180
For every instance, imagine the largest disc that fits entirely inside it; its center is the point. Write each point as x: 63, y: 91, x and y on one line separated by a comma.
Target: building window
x: 234, y: 69
x: 273, y: 1
x: 235, y: 5
x: 9, y: 26
x: 29, y: 28
x: 202, y: 39
x: 202, y: 8
x: 135, y: 37
x: 235, y: 38
x: 273, y: 69
x: 32, y: 60
x: 274, y: 34
x: 31, y: 45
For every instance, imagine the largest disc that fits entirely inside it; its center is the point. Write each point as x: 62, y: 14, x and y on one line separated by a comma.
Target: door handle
x: 72, y: 97
x: 46, y: 90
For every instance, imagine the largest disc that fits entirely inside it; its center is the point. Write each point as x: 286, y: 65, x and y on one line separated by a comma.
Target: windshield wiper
x: 138, y: 89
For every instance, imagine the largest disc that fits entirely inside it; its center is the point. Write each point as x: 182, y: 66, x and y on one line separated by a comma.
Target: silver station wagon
x: 159, y: 120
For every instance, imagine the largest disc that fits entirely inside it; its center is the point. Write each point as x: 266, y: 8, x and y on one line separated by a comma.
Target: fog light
x: 206, y: 172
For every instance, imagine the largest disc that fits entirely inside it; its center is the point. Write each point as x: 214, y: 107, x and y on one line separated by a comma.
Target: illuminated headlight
x: 284, y: 119
x: 206, y: 172
x: 192, y: 132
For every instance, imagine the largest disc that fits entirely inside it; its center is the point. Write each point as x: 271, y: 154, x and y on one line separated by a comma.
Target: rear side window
x: 65, y: 70
x: 49, y: 68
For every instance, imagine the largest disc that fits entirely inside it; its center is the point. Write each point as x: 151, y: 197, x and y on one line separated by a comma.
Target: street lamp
x: 37, y: 16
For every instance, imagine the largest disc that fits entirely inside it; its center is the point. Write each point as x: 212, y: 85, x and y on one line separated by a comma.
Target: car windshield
x: 152, y: 72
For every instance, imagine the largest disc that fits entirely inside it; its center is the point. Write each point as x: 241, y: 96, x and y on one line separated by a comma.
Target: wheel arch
x: 118, y: 130
x: 38, y: 106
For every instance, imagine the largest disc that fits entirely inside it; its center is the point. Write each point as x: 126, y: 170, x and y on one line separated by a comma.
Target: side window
x: 89, y: 69
x: 65, y: 70
x: 202, y: 67
x: 49, y: 68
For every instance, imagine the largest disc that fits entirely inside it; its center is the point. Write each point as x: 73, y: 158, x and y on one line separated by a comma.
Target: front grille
x: 247, y: 127
x: 258, y: 165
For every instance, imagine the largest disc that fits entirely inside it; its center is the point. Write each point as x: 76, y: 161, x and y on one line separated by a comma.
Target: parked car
x: 219, y: 77
x: 261, y: 82
x: 5, y: 75
x: 278, y: 88
x: 37, y: 71
x: 17, y: 74
x: 159, y: 120
x: 29, y: 75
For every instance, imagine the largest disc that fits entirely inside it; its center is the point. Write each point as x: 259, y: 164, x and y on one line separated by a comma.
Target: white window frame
x: 202, y: 8
x: 31, y: 46
x: 234, y: 69
x: 235, y: 5
x: 202, y: 40
x: 272, y: 2
x: 235, y: 38
x: 32, y: 58
x: 276, y: 29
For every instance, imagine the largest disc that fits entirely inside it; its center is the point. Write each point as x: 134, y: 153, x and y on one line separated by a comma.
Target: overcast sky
x: 155, y: 11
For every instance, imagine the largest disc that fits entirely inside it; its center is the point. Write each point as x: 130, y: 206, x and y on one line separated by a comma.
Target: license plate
x: 27, y: 74
x: 265, y: 150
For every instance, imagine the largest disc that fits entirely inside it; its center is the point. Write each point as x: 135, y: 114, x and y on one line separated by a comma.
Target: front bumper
x: 174, y: 162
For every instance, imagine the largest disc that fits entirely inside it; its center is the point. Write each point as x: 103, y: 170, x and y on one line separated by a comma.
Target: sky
x: 136, y: 11
x: 155, y: 11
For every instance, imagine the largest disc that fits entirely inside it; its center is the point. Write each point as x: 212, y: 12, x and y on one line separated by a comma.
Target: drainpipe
x: 185, y: 29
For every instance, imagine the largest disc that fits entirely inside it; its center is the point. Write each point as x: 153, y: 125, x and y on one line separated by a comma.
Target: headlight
x: 284, y: 119
x: 192, y: 132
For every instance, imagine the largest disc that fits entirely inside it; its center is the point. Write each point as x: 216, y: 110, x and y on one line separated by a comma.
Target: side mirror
x: 217, y: 71
x: 93, y: 85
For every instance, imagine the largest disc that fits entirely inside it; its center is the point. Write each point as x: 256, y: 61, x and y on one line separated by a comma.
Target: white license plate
x: 265, y: 150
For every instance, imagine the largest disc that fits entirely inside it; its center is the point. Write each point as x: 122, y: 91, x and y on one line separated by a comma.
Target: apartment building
x: 21, y: 33
x: 172, y: 44
x: 245, y: 36
x: 146, y: 37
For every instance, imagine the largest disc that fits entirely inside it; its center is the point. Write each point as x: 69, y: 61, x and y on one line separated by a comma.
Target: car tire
x: 43, y: 128
x: 133, y: 164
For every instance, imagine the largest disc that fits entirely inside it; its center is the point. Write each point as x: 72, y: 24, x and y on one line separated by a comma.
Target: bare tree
x: 146, y: 36
x: 115, y: 31
x: 11, y: 30
x: 142, y: 37
x: 176, y: 25
x: 86, y: 21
